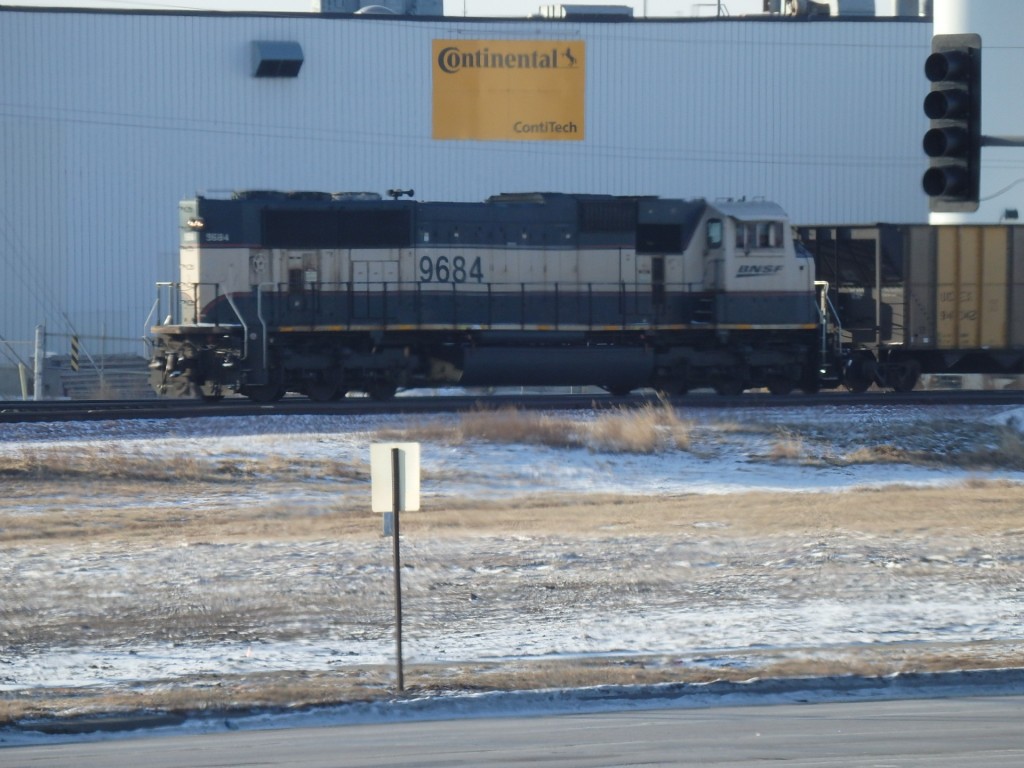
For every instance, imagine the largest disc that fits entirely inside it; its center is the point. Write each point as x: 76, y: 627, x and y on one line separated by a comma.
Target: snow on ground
x: 849, y: 605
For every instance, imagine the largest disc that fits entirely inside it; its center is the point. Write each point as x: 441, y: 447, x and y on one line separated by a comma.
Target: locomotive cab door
x: 303, y: 275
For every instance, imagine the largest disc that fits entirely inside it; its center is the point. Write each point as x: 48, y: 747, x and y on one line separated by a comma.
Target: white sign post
x: 395, y: 487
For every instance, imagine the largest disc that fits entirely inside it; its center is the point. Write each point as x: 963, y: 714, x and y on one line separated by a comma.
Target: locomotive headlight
x: 195, y: 223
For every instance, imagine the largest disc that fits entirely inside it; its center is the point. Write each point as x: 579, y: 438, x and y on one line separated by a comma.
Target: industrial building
x: 109, y: 118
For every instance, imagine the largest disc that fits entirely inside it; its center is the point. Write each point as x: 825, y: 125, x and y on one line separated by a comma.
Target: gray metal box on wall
x: 396, y: 7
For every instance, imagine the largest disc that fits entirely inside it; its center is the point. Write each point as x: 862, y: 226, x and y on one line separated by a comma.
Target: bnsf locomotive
x: 325, y: 294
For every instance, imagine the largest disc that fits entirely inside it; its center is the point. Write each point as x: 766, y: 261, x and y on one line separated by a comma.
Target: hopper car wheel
x: 904, y: 378
x: 857, y: 385
x: 859, y: 374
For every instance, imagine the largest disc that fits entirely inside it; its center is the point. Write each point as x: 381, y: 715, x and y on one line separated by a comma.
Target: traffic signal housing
x: 953, y: 106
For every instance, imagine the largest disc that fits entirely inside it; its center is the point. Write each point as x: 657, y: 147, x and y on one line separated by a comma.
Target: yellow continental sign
x: 509, y: 90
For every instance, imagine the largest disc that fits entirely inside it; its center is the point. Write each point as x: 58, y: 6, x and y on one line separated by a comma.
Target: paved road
x: 942, y: 733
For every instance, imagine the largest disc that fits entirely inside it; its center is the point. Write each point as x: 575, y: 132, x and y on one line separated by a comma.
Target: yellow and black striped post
x: 74, y: 353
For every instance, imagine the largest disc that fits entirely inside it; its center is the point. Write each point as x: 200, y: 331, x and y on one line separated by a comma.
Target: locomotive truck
x: 323, y: 294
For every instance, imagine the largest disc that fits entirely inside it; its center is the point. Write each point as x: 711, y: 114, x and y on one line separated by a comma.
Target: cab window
x: 759, y: 236
x: 714, y: 233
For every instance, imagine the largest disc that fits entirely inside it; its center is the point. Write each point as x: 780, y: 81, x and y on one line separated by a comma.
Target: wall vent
x: 276, y: 59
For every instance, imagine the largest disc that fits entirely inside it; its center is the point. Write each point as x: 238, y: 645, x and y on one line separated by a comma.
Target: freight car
x: 927, y: 299
x: 324, y: 294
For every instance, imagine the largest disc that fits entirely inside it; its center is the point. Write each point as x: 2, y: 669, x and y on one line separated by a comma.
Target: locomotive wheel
x: 810, y: 387
x: 321, y: 391
x: 618, y: 390
x: 381, y: 390
x: 779, y: 385
x: 211, y: 393
x: 729, y: 387
x: 264, y: 393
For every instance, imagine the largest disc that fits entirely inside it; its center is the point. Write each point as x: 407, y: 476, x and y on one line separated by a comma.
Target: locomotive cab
x: 752, y: 266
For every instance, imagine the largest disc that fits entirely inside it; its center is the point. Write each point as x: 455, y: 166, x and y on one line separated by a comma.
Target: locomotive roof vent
x: 257, y: 194
x: 355, y: 196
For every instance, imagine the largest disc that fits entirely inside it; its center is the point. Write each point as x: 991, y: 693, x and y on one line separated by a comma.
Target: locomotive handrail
x: 387, y: 302
x: 263, y: 322
x: 147, y: 343
x: 827, y: 310
x: 245, y: 327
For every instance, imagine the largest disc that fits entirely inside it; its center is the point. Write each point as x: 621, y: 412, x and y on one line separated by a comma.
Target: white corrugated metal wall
x: 108, y: 119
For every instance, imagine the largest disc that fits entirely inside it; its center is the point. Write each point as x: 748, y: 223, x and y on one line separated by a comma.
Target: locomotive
x: 324, y: 294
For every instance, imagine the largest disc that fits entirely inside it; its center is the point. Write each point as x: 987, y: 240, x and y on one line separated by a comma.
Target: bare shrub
x: 510, y: 425
x: 99, y: 463
x: 882, y: 454
x: 647, y: 429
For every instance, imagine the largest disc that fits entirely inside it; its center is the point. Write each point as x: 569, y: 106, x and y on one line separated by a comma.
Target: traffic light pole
x: 1002, y: 141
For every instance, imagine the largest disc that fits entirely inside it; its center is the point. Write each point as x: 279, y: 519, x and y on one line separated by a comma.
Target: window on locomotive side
x: 769, y: 235
x: 714, y: 233
x: 759, y: 237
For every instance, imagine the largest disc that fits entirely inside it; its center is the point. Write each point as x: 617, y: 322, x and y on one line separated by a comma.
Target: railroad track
x: 14, y: 411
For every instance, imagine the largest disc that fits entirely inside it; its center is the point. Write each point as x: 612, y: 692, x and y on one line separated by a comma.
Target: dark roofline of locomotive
x: 363, y: 220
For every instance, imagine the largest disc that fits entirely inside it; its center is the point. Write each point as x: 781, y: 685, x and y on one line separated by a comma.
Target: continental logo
x: 452, y: 59
x: 508, y: 90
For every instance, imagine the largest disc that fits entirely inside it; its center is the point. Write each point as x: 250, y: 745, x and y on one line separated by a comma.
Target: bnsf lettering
x: 757, y: 270
x: 442, y: 269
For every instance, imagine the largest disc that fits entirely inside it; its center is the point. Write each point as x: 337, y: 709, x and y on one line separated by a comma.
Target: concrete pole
x: 37, y: 370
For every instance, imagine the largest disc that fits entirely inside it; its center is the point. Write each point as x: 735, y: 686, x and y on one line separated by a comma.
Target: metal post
x: 23, y: 376
x: 396, y: 504
x: 37, y: 369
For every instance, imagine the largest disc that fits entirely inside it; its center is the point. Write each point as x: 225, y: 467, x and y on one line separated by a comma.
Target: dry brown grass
x: 649, y: 428
x: 99, y: 463
x: 226, y: 695
x: 976, y: 509
x: 788, y: 447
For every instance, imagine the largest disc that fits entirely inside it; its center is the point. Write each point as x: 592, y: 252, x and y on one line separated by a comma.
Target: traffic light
x: 953, y: 141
